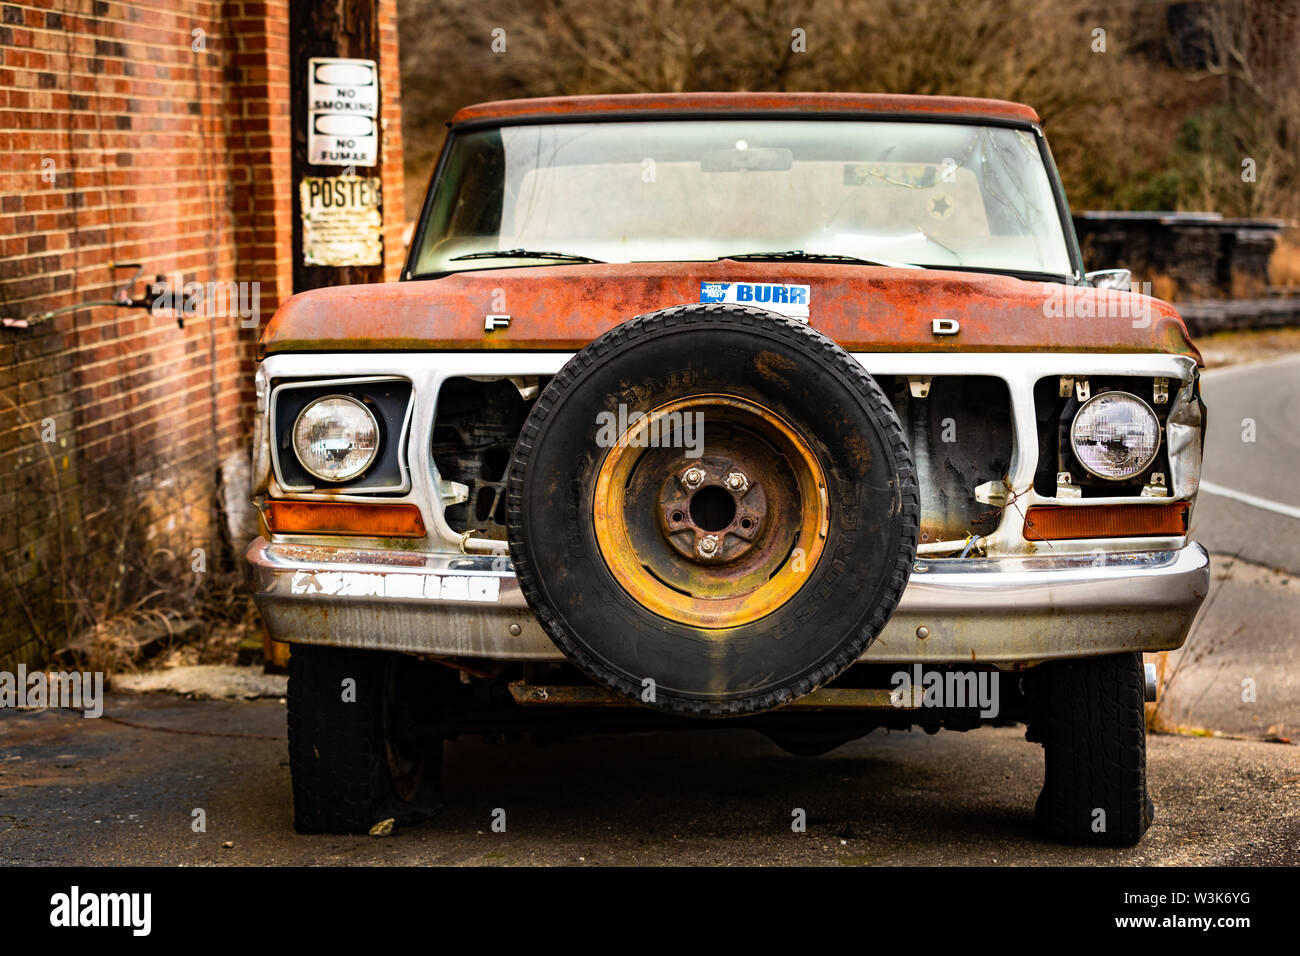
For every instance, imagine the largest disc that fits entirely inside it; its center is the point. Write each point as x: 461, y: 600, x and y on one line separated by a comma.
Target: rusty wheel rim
x: 719, y: 540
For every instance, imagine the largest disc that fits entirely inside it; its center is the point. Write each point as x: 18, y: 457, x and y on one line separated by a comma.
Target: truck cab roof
x: 806, y: 105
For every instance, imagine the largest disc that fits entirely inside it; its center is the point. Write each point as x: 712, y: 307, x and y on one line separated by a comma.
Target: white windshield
x: 931, y: 194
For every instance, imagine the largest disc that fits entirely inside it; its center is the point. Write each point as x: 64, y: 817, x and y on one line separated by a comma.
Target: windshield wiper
x: 798, y: 255
x: 525, y: 254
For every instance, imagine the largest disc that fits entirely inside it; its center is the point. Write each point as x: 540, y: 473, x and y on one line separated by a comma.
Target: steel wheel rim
x: 650, y: 525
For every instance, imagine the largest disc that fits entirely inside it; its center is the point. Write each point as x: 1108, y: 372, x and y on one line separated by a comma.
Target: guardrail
x: 1203, y: 254
x: 1214, y: 268
x: 1222, y: 315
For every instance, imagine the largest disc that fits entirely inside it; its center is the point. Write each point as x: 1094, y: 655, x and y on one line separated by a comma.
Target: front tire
x: 348, y: 770
x: 1092, y: 724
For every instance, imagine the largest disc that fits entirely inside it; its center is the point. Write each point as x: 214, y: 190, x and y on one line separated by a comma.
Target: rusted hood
x: 864, y: 309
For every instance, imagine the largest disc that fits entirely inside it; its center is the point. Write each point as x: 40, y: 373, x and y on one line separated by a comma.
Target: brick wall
x: 152, y: 131
x: 390, y: 87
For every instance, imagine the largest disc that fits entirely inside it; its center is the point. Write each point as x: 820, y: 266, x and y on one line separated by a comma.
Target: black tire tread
x: 1094, y: 736
x: 335, y: 748
x: 758, y: 321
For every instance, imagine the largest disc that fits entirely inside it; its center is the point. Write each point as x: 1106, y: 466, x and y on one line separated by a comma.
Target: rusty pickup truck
x: 788, y: 412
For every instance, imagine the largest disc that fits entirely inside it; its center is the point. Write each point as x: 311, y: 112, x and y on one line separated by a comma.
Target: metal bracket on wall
x: 121, y: 299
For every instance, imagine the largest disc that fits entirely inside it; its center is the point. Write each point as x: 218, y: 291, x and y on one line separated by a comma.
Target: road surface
x: 1250, y: 501
x: 1246, y: 641
x: 99, y: 793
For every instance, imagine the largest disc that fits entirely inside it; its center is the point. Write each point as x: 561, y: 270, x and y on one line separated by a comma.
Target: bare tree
x: 1100, y: 72
x: 1251, y: 163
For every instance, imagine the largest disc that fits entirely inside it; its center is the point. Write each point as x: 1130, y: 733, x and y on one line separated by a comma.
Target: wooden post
x: 334, y: 28
x: 330, y: 28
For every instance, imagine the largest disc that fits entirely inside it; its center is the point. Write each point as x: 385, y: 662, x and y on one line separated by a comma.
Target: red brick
x: 146, y: 171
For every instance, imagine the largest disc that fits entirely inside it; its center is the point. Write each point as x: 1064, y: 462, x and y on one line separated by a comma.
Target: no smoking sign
x: 342, y: 106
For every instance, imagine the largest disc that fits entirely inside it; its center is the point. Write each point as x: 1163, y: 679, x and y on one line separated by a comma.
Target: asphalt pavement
x: 1250, y: 499
x: 99, y: 793
x: 1239, y: 671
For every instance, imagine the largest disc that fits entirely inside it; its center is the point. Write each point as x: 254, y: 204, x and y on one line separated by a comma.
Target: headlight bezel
x: 1112, y: 394
x: 370, y: 461
x: 390, y: 398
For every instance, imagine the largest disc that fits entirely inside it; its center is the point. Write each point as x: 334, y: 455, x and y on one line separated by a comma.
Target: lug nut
x: 708, y: 545
x: 736, y: 481
x: 693, y: 477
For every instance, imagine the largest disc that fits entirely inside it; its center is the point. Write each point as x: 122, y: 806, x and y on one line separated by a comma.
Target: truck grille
x: 960, y: 433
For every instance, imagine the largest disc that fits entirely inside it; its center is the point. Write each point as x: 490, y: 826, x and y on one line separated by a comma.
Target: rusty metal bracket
x: 993, y: 492
x: 121, y: 299
x: 1065, y: 486
x: 824, y: 698
x: 1156, y: 486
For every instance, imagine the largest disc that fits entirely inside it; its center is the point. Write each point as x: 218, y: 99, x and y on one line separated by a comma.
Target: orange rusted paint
x: 563, y: 308
x: 864, y: 309
x: 743, y: 585
x: 886, y: 104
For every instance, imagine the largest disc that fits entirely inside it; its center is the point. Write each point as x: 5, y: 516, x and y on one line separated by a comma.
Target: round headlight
x: 336, y: 438
x: 1115, y: 435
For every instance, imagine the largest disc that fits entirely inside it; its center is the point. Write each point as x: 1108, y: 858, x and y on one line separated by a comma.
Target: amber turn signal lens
x: 337, y: 517
x: 1057, y: 522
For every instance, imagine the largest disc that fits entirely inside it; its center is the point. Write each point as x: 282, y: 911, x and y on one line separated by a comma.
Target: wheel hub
x: 711, y: 511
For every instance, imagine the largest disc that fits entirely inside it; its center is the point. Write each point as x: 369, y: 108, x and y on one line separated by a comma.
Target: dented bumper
x: 1007, y: 611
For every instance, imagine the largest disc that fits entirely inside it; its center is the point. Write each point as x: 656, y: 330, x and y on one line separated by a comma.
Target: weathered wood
x: 340, y: 28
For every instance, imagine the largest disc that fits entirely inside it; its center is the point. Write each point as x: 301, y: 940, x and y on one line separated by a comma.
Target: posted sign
x: 342, y: 224
x: 342, y: 111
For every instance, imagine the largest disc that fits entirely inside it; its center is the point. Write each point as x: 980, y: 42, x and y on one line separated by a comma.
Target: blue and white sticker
x: 782, y: 298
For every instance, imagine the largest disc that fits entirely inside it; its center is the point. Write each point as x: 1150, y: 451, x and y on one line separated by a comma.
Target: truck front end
x: 798, y: 411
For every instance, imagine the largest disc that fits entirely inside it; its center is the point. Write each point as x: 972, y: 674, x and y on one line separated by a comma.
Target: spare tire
x: 722, y: 572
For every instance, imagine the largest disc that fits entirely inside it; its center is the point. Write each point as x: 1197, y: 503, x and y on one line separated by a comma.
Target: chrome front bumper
x: 993, y: 610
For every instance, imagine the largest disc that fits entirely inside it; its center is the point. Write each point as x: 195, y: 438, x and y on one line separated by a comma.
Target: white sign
x: 782, y: 298
x: 342, y: 111
x: 342, y: 222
